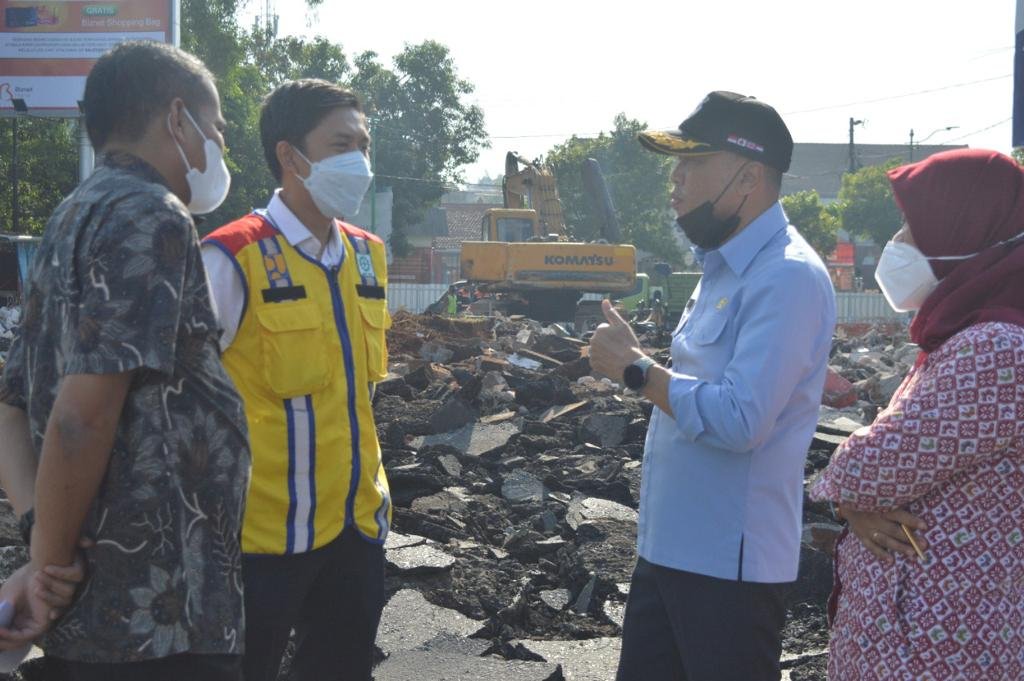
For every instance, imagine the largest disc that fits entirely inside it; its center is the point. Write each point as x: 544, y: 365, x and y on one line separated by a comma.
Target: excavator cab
x: 509, y: 225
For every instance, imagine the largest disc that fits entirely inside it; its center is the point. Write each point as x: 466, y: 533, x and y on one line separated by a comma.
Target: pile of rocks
x: 9, y: 320
x: 515, y: 478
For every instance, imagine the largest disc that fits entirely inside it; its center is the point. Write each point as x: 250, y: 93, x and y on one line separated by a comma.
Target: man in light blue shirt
x: 722, y: 490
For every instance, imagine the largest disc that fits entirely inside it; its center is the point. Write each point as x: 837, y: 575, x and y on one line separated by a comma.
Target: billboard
x: 48, y: 46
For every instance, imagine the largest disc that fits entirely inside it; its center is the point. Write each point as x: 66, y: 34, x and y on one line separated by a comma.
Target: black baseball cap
x: 726, y: 121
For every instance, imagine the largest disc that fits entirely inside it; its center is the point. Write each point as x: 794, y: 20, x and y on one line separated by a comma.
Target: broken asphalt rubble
x: 516, y: 474
x: 515, y: 479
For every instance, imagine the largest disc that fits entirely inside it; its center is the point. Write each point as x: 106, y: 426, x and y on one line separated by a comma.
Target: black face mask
x: 701, y: 226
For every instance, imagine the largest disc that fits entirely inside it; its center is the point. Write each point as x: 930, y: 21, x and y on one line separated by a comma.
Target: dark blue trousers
x: 681, y: 626
x: 332, y: 597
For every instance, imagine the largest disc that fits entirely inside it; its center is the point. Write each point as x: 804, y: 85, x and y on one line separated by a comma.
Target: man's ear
x: 291, y: 162
x: 752, y: 177
x: 177, y: 120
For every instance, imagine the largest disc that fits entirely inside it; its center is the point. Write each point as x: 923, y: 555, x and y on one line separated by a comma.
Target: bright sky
x: 545, y: 69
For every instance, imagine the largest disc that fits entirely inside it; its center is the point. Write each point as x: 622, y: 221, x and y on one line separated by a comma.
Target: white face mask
x: 208, y: 188
x: 906, y: 278
x: 338, y: 183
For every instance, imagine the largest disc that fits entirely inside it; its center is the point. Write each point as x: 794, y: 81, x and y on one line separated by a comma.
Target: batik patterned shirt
x: 118, y: 285
x: 950, y: 449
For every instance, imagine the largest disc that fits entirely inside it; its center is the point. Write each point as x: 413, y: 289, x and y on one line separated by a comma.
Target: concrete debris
x: 589, y: 660
x: 515, y: 481
x: 409, y: 621
x: 556, y: 599
x: 417, y: 665
x: 521, y: 487
x: 411, y: 554
x: 10, y: 317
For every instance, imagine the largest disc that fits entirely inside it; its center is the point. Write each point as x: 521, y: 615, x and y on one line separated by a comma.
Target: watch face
x: 633, y: 377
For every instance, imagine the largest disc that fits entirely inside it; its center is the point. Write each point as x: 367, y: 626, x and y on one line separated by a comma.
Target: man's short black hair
x: 294, y: 109
x: 136, y: 81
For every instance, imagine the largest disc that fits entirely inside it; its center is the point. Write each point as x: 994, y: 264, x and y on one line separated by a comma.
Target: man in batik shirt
x: 114, y: 385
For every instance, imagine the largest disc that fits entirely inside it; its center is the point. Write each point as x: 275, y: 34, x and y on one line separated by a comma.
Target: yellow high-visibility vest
x: 309, y: 346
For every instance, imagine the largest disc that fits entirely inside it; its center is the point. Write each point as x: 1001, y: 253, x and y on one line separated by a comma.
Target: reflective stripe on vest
x: 364, y: 261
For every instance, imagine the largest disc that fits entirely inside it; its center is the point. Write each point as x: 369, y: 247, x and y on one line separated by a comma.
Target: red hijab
x: 957, y: 203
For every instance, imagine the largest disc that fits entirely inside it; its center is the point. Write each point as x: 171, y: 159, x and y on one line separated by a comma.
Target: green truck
x: 674, y: 292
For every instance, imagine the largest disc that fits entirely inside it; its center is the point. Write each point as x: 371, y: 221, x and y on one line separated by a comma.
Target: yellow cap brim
x: 673, y: 144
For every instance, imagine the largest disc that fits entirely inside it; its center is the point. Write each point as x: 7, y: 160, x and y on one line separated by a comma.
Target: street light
x: 20, y: 109
x: 927, y: 137
x: 853, y: 158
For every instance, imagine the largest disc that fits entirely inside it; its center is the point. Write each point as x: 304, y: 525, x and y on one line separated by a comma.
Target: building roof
x: 821, y: 166
x: 464, y: 220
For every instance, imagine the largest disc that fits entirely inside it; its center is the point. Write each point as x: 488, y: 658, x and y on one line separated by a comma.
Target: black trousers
x: 173, y: 668
x: 332, y: 597
x: 681, y: 626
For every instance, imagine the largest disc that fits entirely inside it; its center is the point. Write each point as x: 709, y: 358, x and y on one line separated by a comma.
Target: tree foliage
x: 423, y: 129
x: 47, y: 170
x: 867, y: 206
x: 817, y: 222
x: 637, y: 180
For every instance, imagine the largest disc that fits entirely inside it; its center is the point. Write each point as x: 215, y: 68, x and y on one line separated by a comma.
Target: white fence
x: 413, y: 297
x: 865, y: 307
x: 850, y: 307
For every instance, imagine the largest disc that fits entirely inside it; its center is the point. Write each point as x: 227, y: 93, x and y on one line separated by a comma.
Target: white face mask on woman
x: 906, y: 278
x: 338, y: 183
x: 210, y: 187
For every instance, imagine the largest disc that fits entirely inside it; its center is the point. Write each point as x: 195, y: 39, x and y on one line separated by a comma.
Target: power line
x: 902, y: 96
x: 447, y: 184
x: 830, y: 107
x: 981, y: 130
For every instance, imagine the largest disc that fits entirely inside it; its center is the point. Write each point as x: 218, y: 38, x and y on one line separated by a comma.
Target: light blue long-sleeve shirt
x: 722, y: 488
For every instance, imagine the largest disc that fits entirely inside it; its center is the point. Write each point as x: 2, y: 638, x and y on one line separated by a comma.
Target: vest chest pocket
x: 294, y: 347
x: 376, y: 322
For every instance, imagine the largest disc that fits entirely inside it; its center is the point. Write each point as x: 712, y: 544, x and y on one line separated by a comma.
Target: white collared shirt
x: 226, y: 286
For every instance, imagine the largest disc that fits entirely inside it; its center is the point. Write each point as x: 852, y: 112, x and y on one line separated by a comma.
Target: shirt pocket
x: 295, y: 351
x: 376, y: 322
x: 708, y: 329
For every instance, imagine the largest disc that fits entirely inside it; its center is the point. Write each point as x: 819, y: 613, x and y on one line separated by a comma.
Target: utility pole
x: 20, y: 109
x: 853, y: 157
x: 911, y: 145
x: 14, y: 175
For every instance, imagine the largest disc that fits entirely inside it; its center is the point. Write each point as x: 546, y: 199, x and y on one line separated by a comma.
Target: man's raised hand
x: 614, y: 346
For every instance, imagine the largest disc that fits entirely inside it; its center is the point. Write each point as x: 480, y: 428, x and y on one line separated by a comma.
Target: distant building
x: 436, y: 241
x: 820, y: 167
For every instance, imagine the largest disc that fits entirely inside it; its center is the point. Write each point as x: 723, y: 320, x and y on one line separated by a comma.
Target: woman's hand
x: 881, y: 533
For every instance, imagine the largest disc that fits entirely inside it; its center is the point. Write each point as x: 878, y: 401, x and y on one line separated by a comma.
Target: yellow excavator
x: 526, y: 259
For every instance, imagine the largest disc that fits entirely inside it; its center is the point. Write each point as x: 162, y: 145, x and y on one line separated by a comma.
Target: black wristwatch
x: 635, y: 375
x: 25, y: 523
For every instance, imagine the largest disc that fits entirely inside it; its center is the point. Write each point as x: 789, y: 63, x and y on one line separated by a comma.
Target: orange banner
x: 47, y: 48
x: 118, y: 16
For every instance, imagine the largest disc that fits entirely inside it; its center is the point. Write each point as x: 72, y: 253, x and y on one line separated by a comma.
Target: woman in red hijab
x: 944, y: 462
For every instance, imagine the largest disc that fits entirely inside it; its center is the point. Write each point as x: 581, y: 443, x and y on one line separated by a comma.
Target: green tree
x: 1018, y: 155
x: 867, y: 204
x: 817, y: 223
x: 47, y: 170
x: 423, y: 130
x: 637, y: 180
